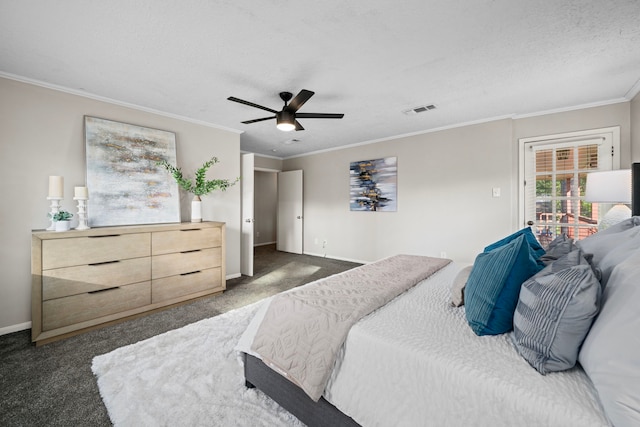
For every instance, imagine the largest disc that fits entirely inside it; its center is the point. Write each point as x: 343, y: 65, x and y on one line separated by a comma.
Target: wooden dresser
x: 84, y: 279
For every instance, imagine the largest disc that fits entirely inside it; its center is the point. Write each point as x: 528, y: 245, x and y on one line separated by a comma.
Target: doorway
x: 260, y: 211
x: 265, y: 207
x: 553, y: 172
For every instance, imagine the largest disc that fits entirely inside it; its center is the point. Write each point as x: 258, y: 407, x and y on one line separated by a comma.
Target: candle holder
x: 82, y: 213
x: 53, y: 209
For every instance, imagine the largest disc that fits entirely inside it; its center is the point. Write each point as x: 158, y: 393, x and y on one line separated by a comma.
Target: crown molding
x: 114, y: 101
x: 475, y: 122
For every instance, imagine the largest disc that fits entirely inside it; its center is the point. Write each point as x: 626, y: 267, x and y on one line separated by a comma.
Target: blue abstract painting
x: 373, y: 185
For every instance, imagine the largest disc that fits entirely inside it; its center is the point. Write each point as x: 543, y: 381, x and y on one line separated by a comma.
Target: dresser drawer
x: 185, y: 284
x: 58, y: 253
x: 60, y: 312
x: 62, y: 282
x: 164, y: 242
x: 185, y: 262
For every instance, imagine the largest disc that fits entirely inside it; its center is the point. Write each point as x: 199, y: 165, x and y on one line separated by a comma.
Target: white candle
x: 81, y: 193
x: 56, y: 187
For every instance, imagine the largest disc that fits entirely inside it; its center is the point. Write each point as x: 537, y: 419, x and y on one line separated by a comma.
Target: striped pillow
x: 493, y: 287
x: 554, y: 313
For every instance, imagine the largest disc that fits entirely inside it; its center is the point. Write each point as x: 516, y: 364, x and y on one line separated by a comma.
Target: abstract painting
x: 373, y: 185
x: 125, y: 184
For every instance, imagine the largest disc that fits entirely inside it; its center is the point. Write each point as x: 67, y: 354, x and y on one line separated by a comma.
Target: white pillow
x: 610, y: 354
x: 600, y: 244
x: 457, y: 288
x: 627, y: 242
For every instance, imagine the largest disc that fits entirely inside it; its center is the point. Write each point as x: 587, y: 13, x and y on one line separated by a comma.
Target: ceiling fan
x: 286, y: 118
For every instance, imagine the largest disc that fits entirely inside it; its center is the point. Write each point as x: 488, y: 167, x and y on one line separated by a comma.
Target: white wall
x: 588, y: 118
x: 41, y: 134
x: 445, y: 182
x: 445, y: 202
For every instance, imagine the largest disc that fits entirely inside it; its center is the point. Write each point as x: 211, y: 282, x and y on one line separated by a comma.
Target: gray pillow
x: 554, y: 313
x: 605, y: 241
x: 457, y: 288
x: 559, y: 247
x: 610, y: 354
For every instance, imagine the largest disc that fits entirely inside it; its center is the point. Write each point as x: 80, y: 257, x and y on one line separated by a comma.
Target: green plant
x: 200, y: 186
x: 61, y: 216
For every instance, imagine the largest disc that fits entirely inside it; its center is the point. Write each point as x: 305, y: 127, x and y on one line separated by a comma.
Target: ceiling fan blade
x: 319, y: 115
x: 299, y: 100
x: 299, y: 126
x: 258, y: 120
x: 251, y: 104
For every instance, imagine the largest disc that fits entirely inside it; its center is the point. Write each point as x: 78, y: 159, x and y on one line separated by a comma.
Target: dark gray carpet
x: 53, y: 385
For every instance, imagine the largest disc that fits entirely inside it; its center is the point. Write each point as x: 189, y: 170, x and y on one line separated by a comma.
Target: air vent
x: 291, y: 141
x: 420, y: 109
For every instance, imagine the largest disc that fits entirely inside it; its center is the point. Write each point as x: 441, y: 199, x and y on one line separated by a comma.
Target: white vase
x: 63, y: 225
x: 196, y: 209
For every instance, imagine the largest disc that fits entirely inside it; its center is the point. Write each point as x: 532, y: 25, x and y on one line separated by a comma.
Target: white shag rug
x: 186, y: 377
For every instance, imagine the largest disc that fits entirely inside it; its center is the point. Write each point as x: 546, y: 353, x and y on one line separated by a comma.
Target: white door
x: 290, y: 219
x: 246, y: 244
x: 553, y: 173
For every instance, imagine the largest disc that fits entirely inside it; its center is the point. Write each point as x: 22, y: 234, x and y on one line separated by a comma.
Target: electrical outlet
x: 315, y: 241
x: 324, y: 243
x: 443, y: 254
x: 257, y: 234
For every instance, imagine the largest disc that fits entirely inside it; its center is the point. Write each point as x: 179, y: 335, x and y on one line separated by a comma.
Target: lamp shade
x: 609, y: 186
x: 285, y: 121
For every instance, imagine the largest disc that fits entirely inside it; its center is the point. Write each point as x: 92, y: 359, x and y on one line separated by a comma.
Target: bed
x: 416, y: 360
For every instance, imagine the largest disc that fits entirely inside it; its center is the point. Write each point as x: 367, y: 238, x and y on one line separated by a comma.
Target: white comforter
x: 416, y: 362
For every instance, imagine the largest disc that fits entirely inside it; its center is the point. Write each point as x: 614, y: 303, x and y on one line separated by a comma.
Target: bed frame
x: 291, y: 397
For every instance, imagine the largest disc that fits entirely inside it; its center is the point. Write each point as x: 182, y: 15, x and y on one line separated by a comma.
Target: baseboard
x: 233, y: 276
x: 15, y: 328
x: 336, y: 258
x: 264, y: 244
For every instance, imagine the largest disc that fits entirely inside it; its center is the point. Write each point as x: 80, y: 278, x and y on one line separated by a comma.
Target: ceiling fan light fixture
x: 285, y: 121
x: 286, y: 127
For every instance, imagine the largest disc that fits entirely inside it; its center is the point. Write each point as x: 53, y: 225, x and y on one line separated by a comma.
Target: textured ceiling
x: 371, y: 60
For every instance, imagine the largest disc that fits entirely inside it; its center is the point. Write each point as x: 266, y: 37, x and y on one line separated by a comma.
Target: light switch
x: 496, y: 191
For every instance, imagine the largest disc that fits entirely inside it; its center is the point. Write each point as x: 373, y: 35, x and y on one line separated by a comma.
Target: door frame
x: 612, y: 132
x: 247, y: 212
x: 244, y: 253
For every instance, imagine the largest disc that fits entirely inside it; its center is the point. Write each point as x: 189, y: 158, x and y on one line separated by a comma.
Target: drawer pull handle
x: 103, y: 290
x: 192, y: 272
x: 105, y: 235
x: 191, y: 229
x: 103, y: 263
x: 192, y: 250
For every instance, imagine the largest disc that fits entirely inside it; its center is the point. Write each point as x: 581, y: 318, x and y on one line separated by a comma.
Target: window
x: 553, y: 171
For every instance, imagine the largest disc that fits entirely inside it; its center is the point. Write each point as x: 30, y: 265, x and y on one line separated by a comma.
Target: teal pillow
x: 493, y: 287
x: 536, y: 248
